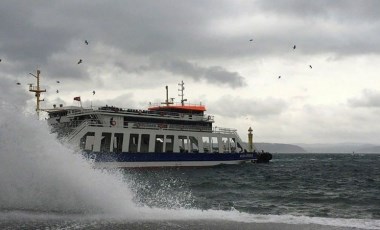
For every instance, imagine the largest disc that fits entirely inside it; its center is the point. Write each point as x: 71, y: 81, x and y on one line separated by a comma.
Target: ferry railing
x: 78, y: 126
x: 177, y: 104
x: 225, y: 130
x: 147, y: 125
x: 111, y: 109
x: 230, y: 131
x: 77, y: 129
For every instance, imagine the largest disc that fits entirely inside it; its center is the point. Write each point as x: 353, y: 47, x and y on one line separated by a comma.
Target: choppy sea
x: 45, y: 184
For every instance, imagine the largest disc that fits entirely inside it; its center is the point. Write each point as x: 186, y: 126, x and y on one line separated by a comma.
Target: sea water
x: 46, y: 184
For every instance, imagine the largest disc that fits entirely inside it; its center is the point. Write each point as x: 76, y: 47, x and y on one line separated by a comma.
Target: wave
x: 151, y: 215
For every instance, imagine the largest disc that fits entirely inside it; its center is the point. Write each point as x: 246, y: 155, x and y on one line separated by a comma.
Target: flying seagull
x: 294, y: 47
x: 57, y: 91
x: 80, y: 61
x: 251, y: 40
x: 58, y: 81
x: 93, y: 92
x: 86, y: 42
x: 279, y: 77
x: 310, y: 66
x: 18, y: 83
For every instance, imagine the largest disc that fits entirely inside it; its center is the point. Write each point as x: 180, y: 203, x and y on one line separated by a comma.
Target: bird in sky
x: 251, y: 40
x: 57, y: 91
x: 0, y: 60
x: 310, y: 66
x: 18, y: 83
x: 86, y: 42
x: 58, y: 81
x: 294, y: 47
x: 279, y: 77
x: 93, y: 92
x: 80, y: 61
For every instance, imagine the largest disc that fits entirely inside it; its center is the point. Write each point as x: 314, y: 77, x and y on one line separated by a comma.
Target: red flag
x: 76, y: 98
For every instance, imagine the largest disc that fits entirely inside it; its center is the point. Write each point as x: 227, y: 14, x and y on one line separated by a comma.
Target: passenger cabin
x: 170, y: 129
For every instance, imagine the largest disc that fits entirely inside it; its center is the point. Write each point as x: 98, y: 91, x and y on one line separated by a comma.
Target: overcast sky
x: 137, y: 47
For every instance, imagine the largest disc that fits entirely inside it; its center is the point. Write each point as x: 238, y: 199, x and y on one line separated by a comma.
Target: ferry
x: 163, y: 135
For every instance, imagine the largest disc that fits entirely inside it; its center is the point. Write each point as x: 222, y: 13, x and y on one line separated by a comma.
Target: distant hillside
x: 341, y: 148
x: 279, y: 148
x: 373, y: 149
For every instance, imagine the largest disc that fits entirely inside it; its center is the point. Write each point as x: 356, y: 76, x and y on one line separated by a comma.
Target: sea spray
x: 39, y: 173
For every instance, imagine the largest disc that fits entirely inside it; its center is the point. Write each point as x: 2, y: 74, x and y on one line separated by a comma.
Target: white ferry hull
x: 167, y: 164
x: 151, y: 160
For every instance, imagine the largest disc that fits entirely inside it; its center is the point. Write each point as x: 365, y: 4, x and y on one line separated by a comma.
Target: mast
x: 37, y: 90
x: 181, y: 89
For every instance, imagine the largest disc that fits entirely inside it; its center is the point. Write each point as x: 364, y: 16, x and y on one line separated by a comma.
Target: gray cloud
x: 234, y: 106
x: 350, y: 10
x: 13, y: 94
x: 369, y: 98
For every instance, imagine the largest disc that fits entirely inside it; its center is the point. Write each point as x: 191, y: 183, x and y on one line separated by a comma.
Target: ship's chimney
x: 61, y: 105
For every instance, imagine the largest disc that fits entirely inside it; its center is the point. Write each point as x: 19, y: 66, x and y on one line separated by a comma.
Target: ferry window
x: 206, y: 144
x: 233, y: 145
x: 214, y: 144
x: 226, y: 145
x: 87, y: 141
x: 169, y: 143
x: 118, y: 142
x: 194, y: 146
x: 159, y: 144
x: 144, y: 146
x: 183, y: 144
x: 105, y: 143
x: 133, y: 141
x: 125, y: 121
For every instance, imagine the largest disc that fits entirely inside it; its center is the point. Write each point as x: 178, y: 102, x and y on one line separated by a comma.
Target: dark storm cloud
x: 32, y: 34
x: 191, y: 32
x: 35, y: 32
x: 214, y: 74
x: 369, y: 98
x: 342, y: 27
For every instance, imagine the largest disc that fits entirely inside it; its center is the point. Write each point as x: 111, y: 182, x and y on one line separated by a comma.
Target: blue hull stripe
x: 164, y: 157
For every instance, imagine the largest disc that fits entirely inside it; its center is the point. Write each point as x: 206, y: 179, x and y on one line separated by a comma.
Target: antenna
x: 181, y: 89
x: 38, y: 91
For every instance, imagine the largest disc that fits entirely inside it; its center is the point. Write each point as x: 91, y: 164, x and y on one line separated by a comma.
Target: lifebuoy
x: 113, y: 123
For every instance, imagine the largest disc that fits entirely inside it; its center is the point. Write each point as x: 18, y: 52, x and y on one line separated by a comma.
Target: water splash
x: 37, y: 172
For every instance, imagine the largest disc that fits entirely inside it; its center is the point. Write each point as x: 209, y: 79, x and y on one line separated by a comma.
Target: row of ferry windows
x: 162, y: 143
